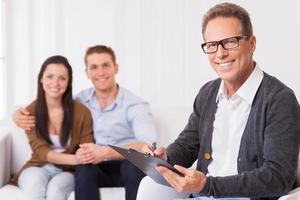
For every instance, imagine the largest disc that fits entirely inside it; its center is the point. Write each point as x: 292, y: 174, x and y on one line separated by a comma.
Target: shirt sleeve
x: 142, y: 122
x: 78, y: 97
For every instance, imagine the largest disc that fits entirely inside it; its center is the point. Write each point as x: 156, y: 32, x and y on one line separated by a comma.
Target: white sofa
x: 15, y: 151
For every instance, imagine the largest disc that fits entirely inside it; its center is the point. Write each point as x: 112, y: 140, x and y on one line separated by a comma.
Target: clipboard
x: 146, y: 163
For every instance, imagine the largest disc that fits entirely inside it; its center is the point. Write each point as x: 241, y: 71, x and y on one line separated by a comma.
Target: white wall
x: 157, y: 43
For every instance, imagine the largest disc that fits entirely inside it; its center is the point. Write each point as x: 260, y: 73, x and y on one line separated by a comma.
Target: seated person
x: 244, y: 129
x: 120, y: 118
x: 61, y: 125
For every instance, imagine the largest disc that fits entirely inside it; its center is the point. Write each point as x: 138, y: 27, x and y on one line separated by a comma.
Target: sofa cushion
x: 117, y: 193
x: 12, y: 192
x: 21, y: 150
x: 5, y: 155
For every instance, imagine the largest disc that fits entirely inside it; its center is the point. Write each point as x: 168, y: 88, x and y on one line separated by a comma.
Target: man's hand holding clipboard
x: 153, y: 162
x: 147, y: 163
x: 186, y: 181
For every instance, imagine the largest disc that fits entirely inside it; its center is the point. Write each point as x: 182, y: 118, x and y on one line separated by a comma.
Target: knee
x: 86, y: 172
x: 56, y: 192
x: 41, y: 178
x: 33, y: 181
x: 131, y: 172
x: 60, y: 186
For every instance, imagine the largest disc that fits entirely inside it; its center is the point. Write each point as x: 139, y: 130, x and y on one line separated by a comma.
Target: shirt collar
x: 248, y: 90
x: 118, y: 101
x: 120, y: 96
x: 221, y: 93
x: 89, y: 95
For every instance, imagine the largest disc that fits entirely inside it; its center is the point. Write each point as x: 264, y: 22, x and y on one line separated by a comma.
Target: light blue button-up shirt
x: 125, y: 121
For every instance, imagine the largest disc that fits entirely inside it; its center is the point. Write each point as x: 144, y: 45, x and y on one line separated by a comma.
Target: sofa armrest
x: 5, y: 155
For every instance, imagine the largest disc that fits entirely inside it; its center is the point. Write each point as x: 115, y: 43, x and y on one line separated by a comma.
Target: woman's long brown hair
x: 41, y: 110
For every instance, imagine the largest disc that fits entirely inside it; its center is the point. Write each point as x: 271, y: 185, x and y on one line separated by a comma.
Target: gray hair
x: 229, y: 10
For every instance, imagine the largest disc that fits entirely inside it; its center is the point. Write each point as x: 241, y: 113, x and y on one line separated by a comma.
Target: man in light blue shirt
x: 119, y: 118
x: 128, y: 118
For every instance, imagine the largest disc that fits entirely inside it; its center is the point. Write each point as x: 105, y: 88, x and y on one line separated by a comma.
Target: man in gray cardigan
x: 244, y: 129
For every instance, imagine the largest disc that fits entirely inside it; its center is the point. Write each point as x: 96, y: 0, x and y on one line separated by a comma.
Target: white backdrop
x: 157, y: 43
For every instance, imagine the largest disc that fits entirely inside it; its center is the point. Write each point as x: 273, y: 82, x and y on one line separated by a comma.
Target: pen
x: 153, y: 146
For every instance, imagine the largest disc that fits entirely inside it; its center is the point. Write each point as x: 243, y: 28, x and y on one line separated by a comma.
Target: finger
x: 81, y: 157
x: 167, y: 172
x: 83, y: 160
x: 26, y: 119
x: 148, y: 150
x: 79, y: 153
x: 158, y: 153
x: 90, y: 160
x: 25, y: 125
x: 161, y: 153
x: 79, y: 160
x: 183, y: 170
x: 86, y: 160
x: 24, y: 111
x: 89, y: 155
x: 169, y: 176
x: 87, y: 151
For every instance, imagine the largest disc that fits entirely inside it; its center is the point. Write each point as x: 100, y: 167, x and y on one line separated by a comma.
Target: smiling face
x: 55, y: 80
x: 233, y: 66
x: 101, y: 70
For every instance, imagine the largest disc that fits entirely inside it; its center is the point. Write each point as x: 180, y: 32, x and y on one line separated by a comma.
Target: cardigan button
x: 207, y: 156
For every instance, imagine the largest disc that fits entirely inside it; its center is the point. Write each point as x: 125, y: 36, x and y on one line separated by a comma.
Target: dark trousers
x: 115, y: 173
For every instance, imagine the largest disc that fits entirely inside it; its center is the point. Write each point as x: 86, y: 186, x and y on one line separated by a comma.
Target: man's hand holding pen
x: 159, y: 152
x: 153, y: 146
x: 193, y: 180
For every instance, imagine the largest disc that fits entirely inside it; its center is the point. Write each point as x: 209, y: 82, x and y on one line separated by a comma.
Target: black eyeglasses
x: 227, y: 43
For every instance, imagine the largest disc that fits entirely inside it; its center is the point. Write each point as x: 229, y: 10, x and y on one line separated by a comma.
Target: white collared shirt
x: 230, y: 121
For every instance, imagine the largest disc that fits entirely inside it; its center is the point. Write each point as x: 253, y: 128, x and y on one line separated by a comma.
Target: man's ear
x: 116, y: 68
x: 252, y: 41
